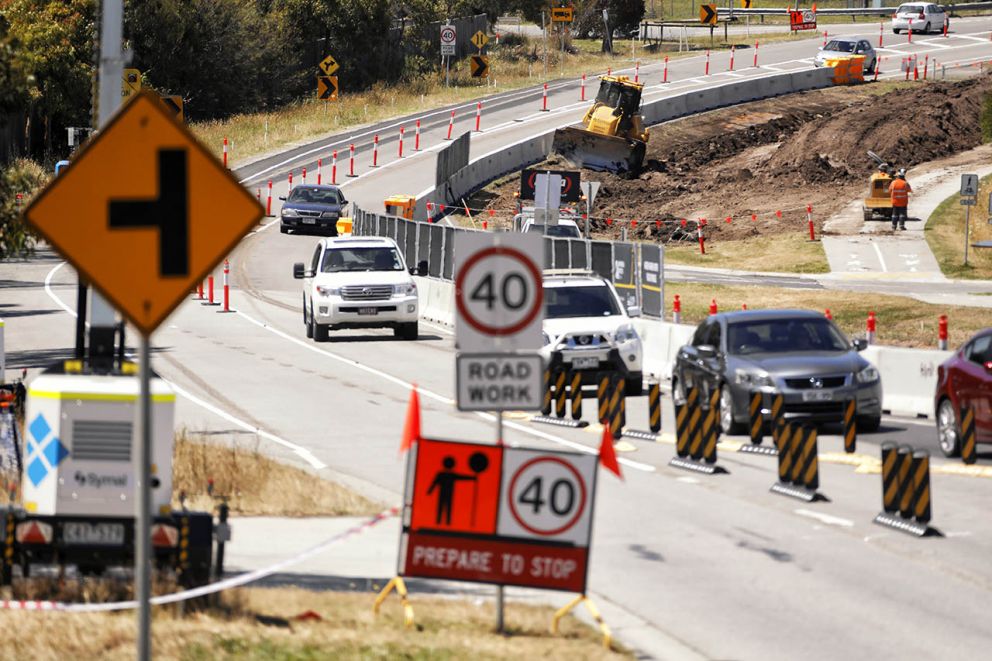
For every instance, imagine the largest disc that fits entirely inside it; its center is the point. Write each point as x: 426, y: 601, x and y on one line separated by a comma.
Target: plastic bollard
x: 870, y: 327
x: 824, y: 38
x: 400, y: 151
x: 334, y: 167
x: 582, y: 88
x: 544, y: 99
x: 713, y: 307
x: 225, y: 153
x: 827, y: 314
x: 707, y: 72
x: 732, y: 49
x: 320, y: 166
x: 451, y: 124
x: 677, y: 310
x: 416, y: 138
x: 664, y: 77
x: 290, y: 180
x: 942, y: 332
x: 227, y: 296
x: 304, y: 176
x: 881, y: 30
x: 375, y: 150
x: 478, y: 117
x: 351, y: 161
x: 756, y: 55
x: 268, y: 201
x: 637, y: 71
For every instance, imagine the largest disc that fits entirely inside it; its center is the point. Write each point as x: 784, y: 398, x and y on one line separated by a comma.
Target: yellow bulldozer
x: 612, y: 137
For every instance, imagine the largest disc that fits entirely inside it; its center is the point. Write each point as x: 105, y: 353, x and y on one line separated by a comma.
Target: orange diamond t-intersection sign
x: 144, y: 212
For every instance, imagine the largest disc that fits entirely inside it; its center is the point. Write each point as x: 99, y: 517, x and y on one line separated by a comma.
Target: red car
x: 965, y: 380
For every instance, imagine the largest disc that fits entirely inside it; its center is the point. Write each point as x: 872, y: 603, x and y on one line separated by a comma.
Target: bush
x: 24, y: 177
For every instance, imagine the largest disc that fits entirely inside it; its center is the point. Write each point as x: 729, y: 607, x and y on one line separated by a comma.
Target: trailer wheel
x: 867, y: 214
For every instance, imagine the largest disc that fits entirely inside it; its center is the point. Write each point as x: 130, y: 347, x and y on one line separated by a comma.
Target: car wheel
x: 635, y: 384
x: 926, y: 29
x: 283, y: 229
x: 306, y: 320
x: 869, y: 423
x: 894, y: 31
x: 947, y: 429
x: 409, y: 331
x: 319, y: 330
x: 727, y: 423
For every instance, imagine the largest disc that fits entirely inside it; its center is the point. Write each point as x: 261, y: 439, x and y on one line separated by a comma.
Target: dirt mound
x: 762, y: 164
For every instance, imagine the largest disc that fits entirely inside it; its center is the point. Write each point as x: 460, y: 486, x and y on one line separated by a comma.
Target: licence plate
x: 585, y: 362
x: 309, y: 221
x: 368, y: 311
x: 818, y: 396
x: 104, y: 534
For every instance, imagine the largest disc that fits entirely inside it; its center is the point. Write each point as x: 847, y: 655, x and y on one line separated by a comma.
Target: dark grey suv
x: 799, y: 353
x: 315, y: 208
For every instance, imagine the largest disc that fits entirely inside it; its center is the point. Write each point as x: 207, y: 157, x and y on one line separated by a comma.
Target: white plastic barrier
x: 437, y: 300
x: 661, y: 341
x: 909, y: 378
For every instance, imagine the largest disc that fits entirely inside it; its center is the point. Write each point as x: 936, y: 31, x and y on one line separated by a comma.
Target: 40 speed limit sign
x: 499, y: 298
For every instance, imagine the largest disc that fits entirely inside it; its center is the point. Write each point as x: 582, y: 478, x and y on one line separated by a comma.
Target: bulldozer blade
x: 593, y: 151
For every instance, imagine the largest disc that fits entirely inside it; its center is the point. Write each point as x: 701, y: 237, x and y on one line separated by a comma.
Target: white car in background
x: 922, y: 16
x: 588, y: 330
x: 565, y: 229
x: 357, y: 282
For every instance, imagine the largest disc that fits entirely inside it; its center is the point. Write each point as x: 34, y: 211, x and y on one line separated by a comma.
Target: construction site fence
x: 635, y: 269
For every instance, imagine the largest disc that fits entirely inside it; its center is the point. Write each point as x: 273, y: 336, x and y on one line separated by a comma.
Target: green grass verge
x: 945, y: 235
x: 782, y: 254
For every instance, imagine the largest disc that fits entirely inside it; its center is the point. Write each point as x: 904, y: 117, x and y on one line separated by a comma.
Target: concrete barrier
x: 909, y: 378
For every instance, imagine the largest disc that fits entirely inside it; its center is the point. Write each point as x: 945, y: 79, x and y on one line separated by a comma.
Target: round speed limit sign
x: 498, y: 291
x: 547, y: 495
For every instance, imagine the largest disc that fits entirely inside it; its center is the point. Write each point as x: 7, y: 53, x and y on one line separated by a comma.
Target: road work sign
x: 494, y: 514
x: 448, y: 38
x: 561, y: 14
x: 130, y: 83
x: 570, y: 189
x: 145, y: 212
x: 802, y: 19
x: 499, y: 382
x: 499, y: 298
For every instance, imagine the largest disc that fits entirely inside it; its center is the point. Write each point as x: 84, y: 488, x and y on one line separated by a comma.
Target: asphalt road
x: 687, y: 565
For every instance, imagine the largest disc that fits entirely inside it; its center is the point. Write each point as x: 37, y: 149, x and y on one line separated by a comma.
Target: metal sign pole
x: 967, y: 222
x: 142, y: 526
x: 499, y: 588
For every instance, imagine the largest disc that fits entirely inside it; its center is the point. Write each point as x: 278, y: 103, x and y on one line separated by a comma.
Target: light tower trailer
x: 78, y: 491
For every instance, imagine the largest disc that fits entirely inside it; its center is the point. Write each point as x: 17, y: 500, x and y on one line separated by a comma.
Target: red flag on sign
x: 607, y: 455
x: 411, y: 428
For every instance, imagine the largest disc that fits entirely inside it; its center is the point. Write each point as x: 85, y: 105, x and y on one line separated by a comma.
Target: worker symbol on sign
x: 456, y: 487
x: 446, y: 480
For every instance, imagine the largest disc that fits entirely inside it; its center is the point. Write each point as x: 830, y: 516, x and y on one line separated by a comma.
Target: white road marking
x: 687, y: 480
x: 299, y: 450
x: 881, y: 260
x: 826, y: 518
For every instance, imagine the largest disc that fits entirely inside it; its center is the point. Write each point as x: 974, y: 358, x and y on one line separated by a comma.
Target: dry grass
x: 512, y: 67
x: 901, y: 321
x: 446, y: 629
x: 945, y: 234
x: 786, y: 253
x: 254, y: 484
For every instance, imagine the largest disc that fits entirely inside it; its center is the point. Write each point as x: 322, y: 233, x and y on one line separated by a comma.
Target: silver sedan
x: 847, y: 47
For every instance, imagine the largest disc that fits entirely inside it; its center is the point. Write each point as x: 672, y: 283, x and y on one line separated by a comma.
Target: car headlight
x: 329, y: 214
x: 408, y: 289
x: 626, y: 333
x: 753, y: 379
x: 328, y: 291
x: 289, y: 213
x: 547, y: 338
x: 867, y: 375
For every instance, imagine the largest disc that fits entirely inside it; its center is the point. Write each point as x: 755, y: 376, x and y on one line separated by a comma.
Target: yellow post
x: 593, y: 611
x: 395, y: 583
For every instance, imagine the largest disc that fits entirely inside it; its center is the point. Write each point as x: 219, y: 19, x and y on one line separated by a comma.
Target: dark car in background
x: 799, y: 353
x: 312, y: 208
x: 965, y: 380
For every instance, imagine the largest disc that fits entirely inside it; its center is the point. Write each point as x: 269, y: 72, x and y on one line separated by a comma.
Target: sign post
x: 153, y: 212
x: 449, y: 37
x: 589, y: 189
x: 499, y: 299
x: 969, y: 197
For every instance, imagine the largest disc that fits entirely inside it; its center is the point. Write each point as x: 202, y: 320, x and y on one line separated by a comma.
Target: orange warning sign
x: 456, y: 487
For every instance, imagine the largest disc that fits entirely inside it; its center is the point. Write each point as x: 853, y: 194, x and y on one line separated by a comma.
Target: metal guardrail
x: 852, y: 11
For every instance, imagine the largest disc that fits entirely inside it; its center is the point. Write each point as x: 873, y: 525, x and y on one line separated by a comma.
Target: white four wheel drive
x: 588, y: 330
x: 357, y: 282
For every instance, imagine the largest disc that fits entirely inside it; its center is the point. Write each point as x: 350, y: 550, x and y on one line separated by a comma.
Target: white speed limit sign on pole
x: 499, y: 299
x: 449, y: 37
x: 547, y: 495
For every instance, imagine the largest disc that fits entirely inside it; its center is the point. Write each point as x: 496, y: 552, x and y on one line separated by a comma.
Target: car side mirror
x: 299, y: 271
x: 343, y: 201
x: 422, y: 268
x: 282, y: 197
x: 860, y: 344
x: 706, y: 351
x: 634, y: 311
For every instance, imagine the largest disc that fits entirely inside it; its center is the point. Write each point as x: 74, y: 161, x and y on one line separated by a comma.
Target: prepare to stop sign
x: 498, y: 291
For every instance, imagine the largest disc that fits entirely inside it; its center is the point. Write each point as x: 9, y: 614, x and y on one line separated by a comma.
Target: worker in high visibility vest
x: 899, y: 191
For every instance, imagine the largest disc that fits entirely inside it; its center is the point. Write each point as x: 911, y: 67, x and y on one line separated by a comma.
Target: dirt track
x: 779, y: 155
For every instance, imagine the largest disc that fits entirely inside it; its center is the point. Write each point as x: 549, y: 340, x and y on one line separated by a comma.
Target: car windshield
x: 840, y: 46
x: 314, y: 195
x: 569, y: 231
x: 784, y: 336
x: 385, y: 258
x: 566, y: 302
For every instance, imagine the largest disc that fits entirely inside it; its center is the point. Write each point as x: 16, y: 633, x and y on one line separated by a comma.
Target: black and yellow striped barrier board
x: 698, y: 429
x: 969, y: 454
x: 850, y: 426
x: 798, y: 463
x: 906, y: 490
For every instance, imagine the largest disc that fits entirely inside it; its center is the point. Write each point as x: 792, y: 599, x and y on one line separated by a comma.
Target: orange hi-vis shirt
x: 899, y: 191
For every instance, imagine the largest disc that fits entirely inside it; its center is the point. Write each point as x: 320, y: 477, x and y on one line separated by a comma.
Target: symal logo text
x: 95, y: 481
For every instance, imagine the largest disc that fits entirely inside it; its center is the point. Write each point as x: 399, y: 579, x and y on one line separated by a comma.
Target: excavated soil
x: 776, y: 156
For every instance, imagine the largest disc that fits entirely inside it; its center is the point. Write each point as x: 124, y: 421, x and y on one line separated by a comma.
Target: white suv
x: 587, y: 329
x: 357, y: 282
